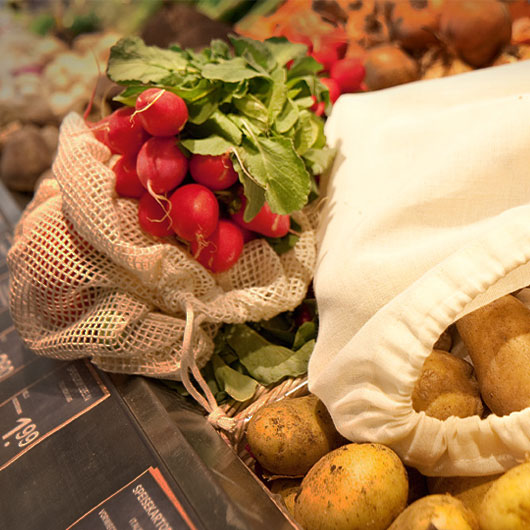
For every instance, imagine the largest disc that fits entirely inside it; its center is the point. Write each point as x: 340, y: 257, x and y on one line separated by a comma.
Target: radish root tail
x: 151, y: 103
x: 160, y: 199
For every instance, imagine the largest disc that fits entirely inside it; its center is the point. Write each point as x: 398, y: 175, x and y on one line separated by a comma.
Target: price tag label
x: 47, y: 405
x: 146, y: 503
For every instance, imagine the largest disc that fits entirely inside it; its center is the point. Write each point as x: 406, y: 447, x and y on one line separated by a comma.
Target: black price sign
x: 46, y: 406
x: 146, y: 503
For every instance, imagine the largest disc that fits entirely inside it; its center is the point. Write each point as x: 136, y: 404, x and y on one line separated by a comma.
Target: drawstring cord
x: 216, y: 415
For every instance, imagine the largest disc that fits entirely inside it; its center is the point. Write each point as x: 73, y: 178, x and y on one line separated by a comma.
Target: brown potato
x: 388, y: 65
x: 287, y: 488
x: 506, y: 504
x: 470, y: 490
x: 354, y: 487
x: 444, y: 342
x: 289, y: 436
x: 440, y: 512
x: 497, y: 337
x: 446, y: 387
x: 476, y: 29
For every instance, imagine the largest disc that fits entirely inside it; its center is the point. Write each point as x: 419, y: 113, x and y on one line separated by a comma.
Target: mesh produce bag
x: 427, y: 218
x: 87, y: 282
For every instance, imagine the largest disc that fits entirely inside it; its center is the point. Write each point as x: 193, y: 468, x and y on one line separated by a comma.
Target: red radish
x: 248, y: 235
x: 153, y: 217
x: 265, y: 222
x: 318, y: 107
x: 127, y: 183
x: 303, y: 313
x: 326, y: 55
x: 333, y: 87
x: 160, y: 112
x: 220, y: 250
x: 349, y: 74
x: 100, y: 129
x: 161, y: 165
x: 337, y: 39
x: 125, y: 134
x: 214, y: 172
x: 194, y: 212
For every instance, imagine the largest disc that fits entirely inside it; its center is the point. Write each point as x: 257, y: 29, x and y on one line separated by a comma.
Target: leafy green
x: 230, y: 70
x: 237, y: 385
x: 319, y: 160
x: 278, y: 170
x: 213, y: 145
x: 259, y: 353
x: 284, y: 51
x: 132, y: 62
x: 305, y: 333
x: 241, y: 99
x: 281, y: 245
x: 266, y: 362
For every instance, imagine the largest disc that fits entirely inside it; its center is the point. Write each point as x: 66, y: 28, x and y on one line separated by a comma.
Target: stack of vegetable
x: 326, y: 482
x: 395, y: 42
x: 220, y: 146
x: 41, y: 79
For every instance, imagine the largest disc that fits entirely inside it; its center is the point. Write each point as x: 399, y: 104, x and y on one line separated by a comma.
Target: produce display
x: 42, y: 79
x: 240, y: 125
x: 213, y: 113
x: 396, y: 42
x: 306, y: 482
x: 199, y: 230
x: 495, y: 337
x: 439, y: 511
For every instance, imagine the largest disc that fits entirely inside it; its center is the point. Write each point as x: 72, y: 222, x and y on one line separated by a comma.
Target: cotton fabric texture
x: 86, y: 281
x: 427, y: 218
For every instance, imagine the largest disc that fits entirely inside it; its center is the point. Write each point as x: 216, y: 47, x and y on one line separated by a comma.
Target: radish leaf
x: 279, y: 170
x: 131, y: 61
x: 237, y: 385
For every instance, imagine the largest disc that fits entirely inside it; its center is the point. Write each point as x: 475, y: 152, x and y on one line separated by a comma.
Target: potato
x: 287, y: 488
x: 446, y: 387
x: 440, y: 512
x: 476, y: 29
x: 506, y: 505
x: 289, y: 436
x: 470, y: 490
x: 497, y: 338
x: 444, y: 342
x: 357, y: 486
x: 388, y: 65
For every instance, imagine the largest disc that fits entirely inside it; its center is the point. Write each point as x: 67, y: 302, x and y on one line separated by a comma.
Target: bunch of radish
x: 340, y: 74
x: 179, y: 195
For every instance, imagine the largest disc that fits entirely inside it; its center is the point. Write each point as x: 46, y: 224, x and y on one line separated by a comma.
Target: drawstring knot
x: 216, y: 416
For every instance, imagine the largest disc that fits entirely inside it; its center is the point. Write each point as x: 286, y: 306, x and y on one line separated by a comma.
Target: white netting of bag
x: 86, y: 281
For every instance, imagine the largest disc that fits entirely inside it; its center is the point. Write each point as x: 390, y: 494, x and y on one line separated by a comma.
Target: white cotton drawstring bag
x: 427, y: 218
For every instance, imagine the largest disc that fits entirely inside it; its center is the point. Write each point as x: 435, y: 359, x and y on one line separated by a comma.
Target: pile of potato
x: 326, y: 482
x: 41, y: 80
x: 400, y: 41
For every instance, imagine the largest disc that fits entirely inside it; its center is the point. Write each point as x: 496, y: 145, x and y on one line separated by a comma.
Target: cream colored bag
x: 87, y: 282
x: 428, y: 217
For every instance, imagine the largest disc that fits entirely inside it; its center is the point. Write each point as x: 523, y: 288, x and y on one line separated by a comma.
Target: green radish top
x: 251, y: 99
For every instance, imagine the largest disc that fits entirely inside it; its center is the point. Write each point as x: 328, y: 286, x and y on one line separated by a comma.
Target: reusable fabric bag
x: 427, y: 218
x: 86, y: 281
